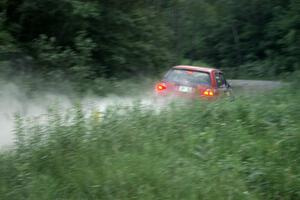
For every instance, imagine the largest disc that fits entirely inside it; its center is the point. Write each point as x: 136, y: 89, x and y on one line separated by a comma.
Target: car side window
x: 220, y: 79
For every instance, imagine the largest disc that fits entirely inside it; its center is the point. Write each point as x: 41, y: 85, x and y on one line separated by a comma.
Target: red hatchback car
x: 193, y: 82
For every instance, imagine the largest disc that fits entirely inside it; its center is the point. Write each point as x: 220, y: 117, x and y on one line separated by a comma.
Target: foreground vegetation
x: 247, y: 149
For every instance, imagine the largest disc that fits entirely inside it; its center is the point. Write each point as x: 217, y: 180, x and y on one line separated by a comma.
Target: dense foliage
x: 84, y: 40
x: 248, y: 149
x: 90, y: 38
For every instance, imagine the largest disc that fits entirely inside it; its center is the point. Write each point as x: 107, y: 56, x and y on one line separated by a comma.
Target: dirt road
x: 13, y: 100
x: 254, y: 85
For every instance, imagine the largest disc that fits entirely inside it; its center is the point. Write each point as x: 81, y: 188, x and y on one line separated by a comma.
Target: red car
x: 193, y: 82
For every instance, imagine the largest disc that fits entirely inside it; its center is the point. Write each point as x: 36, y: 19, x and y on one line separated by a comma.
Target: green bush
x: 247, y: 149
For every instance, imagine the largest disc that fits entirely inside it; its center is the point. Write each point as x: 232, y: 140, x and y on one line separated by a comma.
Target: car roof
x: 195, y: 68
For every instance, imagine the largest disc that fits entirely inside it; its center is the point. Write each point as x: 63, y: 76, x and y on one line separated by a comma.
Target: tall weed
x: 247, y: 149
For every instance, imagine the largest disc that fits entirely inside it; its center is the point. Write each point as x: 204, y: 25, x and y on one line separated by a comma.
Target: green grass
x: 247, y: 149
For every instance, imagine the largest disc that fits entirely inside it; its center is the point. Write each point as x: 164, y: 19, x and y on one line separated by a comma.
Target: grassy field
x: 247, y: 149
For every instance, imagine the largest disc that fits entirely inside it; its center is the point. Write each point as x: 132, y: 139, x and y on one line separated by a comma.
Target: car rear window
x: 181, y: 76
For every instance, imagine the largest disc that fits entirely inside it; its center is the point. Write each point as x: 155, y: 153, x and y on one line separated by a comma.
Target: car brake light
x: 208, y: 92
x: 161, y: 86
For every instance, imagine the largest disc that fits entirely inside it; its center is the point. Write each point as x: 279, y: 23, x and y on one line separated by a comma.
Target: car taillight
x: 208, y: 92
x: 161, y: 87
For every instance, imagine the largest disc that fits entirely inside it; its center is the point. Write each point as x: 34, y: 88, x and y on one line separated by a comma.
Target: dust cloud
x: 14, y: 101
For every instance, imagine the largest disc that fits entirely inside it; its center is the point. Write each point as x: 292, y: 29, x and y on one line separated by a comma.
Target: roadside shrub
x: 247, y: 149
